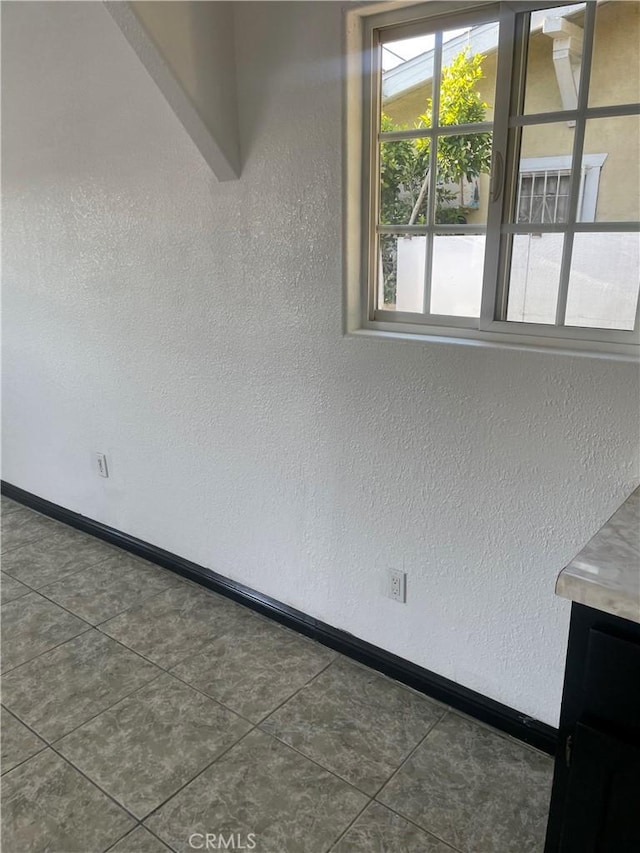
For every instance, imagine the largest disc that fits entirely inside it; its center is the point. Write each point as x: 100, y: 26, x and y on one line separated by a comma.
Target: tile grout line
x: 228, y: 707
x: 107, y: 708
x: 54, y: 523
x: 333, y: 772
x: 336, y: 656
x: 18, y: 597
x: 95, y: 784
x: 433, y: 726
x: 40, y: 654
x: 139, y: 821
x: 113, y: 551
x: 348, y: 827
x: 200, y: 650
x: 504, y: 735
x: 22, y: 544
x: 84, y: 775
x: 254, y: 726
x: 295, y: 693
x: 122, y: 838
x: 235, y: 744
x: 316, y: 762
x: 427, y: 832
x: 161, y: 840
x: 98, y: 627
x: 163, y: 671
x: 33, y: 755
x: 140, y: 825
x: 199, y: 773
x: 373, y: 798
x: 51, y: 743
x: 66, y: 575
x: 411, y: 752
x: 109, y: 618
x: 89, y: 625
x: 104, y: 710
x: 197, y: 587
x: 139, y: 687
x: 76, y: 616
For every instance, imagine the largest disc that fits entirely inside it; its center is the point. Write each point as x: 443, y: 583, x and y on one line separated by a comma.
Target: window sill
x: 496, y: 340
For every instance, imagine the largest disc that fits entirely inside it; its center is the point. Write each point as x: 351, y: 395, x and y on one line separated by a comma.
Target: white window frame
x: 361, y: 112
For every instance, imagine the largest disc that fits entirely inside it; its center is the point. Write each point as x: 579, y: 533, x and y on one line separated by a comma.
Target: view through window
x: 566, y: 160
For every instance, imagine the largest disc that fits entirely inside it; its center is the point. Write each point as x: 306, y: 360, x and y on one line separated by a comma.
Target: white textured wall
x: 188, y: 49
x: 192, y: 330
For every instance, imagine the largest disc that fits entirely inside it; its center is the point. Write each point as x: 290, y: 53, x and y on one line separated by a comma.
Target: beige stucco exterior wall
x: 615, y: 78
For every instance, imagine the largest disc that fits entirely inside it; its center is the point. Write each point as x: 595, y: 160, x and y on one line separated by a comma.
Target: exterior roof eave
x: 482, y: 39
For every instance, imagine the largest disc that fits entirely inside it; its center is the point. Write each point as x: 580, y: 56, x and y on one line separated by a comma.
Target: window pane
x: 543, y: 197
x: 462, y: 188
x: 456, y: 285
x: 614, y: 69
x: 468, y: 77
x: 542, y: 189
x: 401, y: 262
x: 407, y: 72
x: 604, y: 280
x: 535, y: 273
x: 404, y: 181
x: 554, y: 59
x: 614, y: 193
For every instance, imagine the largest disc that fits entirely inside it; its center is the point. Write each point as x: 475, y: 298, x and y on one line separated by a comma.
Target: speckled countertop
x: 605, y: 575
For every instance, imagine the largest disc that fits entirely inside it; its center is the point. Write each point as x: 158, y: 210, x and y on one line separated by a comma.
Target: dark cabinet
x: 595, y: 804
x: 602, y: 808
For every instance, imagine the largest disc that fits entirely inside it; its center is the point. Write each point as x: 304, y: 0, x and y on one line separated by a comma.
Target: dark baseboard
x: 533, y: 732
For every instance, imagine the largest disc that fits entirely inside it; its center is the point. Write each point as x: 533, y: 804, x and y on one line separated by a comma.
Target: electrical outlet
x: 398, y: 585
x: 101, y: 464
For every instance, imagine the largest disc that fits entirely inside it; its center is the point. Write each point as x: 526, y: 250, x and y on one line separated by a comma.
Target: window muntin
x: 572, y: 40
x: 434, y: 149
x: 554, y: 48
x: 432, y: 291
x: 536, y: 261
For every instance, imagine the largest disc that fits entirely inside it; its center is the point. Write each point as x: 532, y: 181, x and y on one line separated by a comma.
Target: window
x: 543, y: 188
x: 487, y: 208
x: 543, y: 196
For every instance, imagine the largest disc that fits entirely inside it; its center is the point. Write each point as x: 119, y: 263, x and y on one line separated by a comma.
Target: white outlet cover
x: 101, y: 464
x: 398, y: 585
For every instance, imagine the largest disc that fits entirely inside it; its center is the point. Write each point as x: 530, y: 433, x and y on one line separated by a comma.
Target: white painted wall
x: 188, y: 49
x: 192, y: 330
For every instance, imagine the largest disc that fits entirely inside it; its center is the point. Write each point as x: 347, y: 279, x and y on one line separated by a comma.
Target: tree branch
x: 420, y: 199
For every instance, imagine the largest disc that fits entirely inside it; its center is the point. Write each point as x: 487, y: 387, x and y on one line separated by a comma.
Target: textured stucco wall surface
x: 192, y: 331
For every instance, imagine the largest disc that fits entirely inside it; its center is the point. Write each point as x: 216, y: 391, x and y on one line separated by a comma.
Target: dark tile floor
x: 142, y: 712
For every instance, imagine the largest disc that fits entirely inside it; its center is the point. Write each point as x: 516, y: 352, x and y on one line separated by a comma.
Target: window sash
x: 494, y: 316
x: 506, y: 128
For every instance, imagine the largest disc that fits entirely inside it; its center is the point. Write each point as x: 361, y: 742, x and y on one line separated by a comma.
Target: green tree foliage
x: 469, y: 154
x: 403, y: 168
x: 404, y: 164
